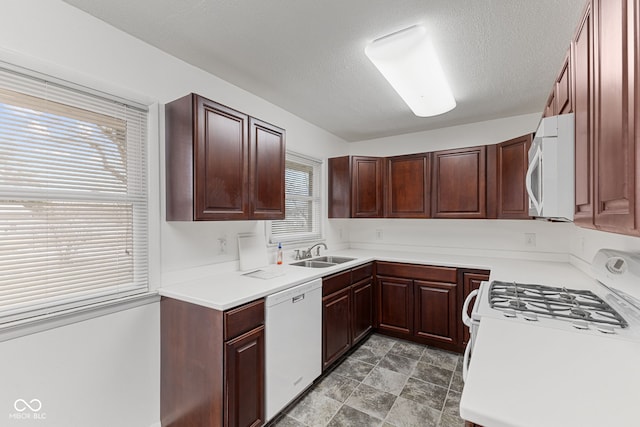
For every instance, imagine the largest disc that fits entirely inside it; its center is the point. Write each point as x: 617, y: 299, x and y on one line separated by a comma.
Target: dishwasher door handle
x: 297, y: 298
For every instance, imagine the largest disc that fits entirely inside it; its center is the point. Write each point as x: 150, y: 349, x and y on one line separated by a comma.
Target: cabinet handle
x: 297, y: 298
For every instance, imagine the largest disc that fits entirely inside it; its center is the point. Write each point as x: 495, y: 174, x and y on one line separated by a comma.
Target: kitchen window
x: 302, y: 221
x: 73, y: 198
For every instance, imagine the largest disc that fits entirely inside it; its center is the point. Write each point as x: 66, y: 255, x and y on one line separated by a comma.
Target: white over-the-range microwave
x: 550, y: 176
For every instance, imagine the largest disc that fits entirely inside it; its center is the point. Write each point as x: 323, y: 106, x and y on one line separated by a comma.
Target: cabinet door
x: 512, y: 163
x: 562, y: 89
x: 244, y: 380
x: 459, y: 183
x: 336, y: 326
x: 470, y: 281
x: 366, y: 187
x: 339, y: 187
x: 395, y: 305
x: 362, y: 313
x: 407, y: 189
x: 266, y: 170
x: 435, y: 311
x: 550, y: 107
x: 614, y: 144
x: 582, y: 50
x: 221, y: 162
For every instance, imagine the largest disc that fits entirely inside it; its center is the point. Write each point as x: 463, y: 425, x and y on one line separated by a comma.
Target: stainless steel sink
x: 334, y: 259
x: 313, y: 264
x: 322, y: 262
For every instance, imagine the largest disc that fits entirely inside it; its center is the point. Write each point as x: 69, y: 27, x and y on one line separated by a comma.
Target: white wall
x: 501, y: 238
x: 102, y: 372
x: 584, y: 243
x: 469, y: 135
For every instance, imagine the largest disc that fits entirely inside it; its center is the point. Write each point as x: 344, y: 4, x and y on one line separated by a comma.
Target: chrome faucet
x: 307, y: 253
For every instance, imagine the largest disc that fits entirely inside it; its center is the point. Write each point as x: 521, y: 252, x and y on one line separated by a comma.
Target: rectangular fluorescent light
x: 410, y: 64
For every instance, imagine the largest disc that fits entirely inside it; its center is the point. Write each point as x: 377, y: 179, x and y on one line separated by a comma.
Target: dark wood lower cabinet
x: 336, y: 322
x: 395, y: 308
x: 244, y: 383
x: 362, y: 319
x: 212, y: 365
x: 435, y: 312
x: 470, y: 424
x: 347, y: 311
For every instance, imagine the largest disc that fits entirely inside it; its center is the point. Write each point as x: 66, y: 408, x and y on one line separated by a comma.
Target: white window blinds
x: 302, y: 202
x: 73, y: 198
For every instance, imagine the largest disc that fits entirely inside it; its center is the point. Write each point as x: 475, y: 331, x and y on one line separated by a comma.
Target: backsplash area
x: 539, y: 240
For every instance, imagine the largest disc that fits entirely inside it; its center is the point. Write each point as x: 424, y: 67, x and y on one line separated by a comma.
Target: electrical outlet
x: 530, y: 240
x: 222, y: 242
x: 379, y: 235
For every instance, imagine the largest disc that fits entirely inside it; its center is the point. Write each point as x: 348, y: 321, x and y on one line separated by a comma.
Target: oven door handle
x: 465, y: 361
x: 465, y: 308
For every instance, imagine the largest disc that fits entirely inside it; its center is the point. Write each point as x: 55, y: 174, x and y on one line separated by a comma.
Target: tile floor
x: 385, y: 382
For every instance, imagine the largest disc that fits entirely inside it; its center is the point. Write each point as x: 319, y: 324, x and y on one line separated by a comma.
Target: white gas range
x: 546, y: 354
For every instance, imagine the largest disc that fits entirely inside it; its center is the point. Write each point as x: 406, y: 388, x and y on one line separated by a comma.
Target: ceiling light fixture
x: 408, y: 61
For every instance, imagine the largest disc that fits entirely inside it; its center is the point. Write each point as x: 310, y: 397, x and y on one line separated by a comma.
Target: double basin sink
x: 322, y: 262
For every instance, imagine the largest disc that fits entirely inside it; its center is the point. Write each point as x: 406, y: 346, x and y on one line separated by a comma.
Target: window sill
x: 43, y: 323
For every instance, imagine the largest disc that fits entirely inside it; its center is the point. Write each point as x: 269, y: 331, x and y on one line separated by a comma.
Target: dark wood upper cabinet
x: 459, y: 183
x: 216, y: 170
x: 355, y: 187
x: 267, y: 165
x: 550, y: 106
x: 366, y: 182
x: 507, y: 164
x: 563, y: 88
x: 408, y: 186
x: 560, y: 100
x: 615, y: 153
x: 582, y: 54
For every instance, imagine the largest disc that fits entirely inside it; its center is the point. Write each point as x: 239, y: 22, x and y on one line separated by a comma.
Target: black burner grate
x: 553, y: 302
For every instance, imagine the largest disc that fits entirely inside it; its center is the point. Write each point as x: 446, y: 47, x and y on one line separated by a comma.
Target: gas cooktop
x: 579, y: 306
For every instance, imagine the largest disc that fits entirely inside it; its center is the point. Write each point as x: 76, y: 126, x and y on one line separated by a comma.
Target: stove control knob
x: 605, y: 329
x: 509, y: 313
x: 580, y: 324
x: 532, y: 317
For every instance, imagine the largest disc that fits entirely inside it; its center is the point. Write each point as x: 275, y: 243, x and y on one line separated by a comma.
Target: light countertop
x: 227, y: 290
x: 529, y: 376
x: 520, y: 375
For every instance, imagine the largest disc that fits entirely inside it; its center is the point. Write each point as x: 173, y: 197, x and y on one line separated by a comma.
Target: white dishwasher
x: 293, y: 341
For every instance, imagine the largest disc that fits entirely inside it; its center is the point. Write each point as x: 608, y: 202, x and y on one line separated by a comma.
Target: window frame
x: 65, y: 313
x: 317, y: 207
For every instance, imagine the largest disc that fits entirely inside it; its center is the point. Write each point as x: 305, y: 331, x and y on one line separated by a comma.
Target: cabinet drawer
x: 417, y: 272
x: 362, y: 272
x: 243, y: 319
x: 336, y: 282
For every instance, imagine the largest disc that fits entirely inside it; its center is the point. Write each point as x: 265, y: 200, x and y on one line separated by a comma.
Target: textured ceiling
x: 307, y: 56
